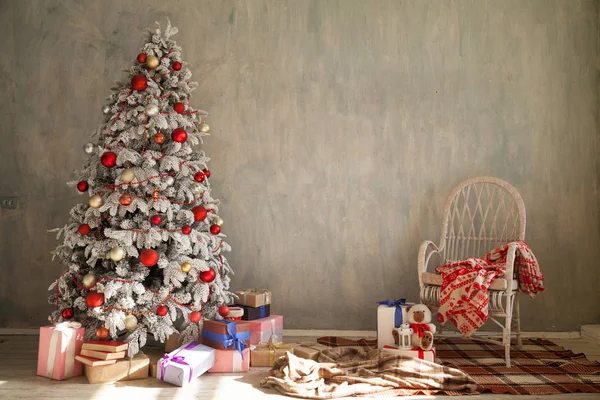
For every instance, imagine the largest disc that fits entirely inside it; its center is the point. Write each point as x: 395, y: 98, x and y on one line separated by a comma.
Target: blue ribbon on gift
x: 398, y: 312
x: 262, y: 311
x: 232, y: 339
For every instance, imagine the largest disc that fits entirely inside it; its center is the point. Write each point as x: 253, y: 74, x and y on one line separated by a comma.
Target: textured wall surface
x: 338, y: 129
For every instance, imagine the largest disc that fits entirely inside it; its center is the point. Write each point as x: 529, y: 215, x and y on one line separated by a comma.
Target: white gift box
x: 427, y: 355
x: 390, y: 315
x: 188, y: 362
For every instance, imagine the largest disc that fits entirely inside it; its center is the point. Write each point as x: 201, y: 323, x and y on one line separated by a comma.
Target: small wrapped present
x: 122, y: 370
x: 252, y: 313
x: 57, y: 350
x: 226, y: 335
x: 172, y: 342
x: 231, y: 361
x: 390, y: 315
x: 415, y: 352
x: 236, y: 313
x: 264, y: 330
x: 265, y: 354
x: 188, y: 362
x: 309, y: 351
x: 253, y: 297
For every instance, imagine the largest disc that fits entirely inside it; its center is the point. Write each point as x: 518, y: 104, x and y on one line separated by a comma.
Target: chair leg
x: 506, y: 330
x: 517, y: 317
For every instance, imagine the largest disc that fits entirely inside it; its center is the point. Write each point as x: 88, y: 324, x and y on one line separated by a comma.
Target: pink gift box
x: 266, y: 329
x: 231, y: 361
x: 57, y: 350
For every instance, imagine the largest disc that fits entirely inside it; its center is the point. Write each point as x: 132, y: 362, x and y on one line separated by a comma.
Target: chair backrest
x: 480, y: 214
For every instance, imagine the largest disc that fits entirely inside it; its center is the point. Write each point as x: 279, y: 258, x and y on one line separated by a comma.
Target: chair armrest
x: 427, y: 249
x: 511, y: 273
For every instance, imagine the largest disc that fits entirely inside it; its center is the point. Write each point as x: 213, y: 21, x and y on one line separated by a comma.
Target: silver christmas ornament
x: 169, y: 180
x: 151, y: 110
x: 88, y: 148
x: 106, y: 109
x: 196, y: 188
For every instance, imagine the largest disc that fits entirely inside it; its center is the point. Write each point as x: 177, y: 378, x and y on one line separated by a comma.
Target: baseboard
x: 327, y: 332
x: 590, y: 332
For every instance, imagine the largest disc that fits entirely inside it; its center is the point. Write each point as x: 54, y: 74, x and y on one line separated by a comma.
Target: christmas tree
x: 144, y: 251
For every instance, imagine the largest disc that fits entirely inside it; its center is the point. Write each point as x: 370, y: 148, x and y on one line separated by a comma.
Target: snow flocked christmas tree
x: 144, y: 250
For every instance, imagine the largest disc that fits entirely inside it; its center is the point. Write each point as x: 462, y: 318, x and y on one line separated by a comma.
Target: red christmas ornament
x: 102, y: 333
x: 149, y: 257
x: 141, y: 58
x: 155, y: 219
x: 200, y: 213
x: 215, y: 229
x: 125, y: 200
x: 84, y: 229
x: 195, y: 317
x: 199, y: 176
x: 109, y: 159
x: 139, y: 82
x: 159, y: 138
x: 208, y: 276
x: 94, y: 299
x: 179, y: 107
x: 176, y: 65
x: 186, y: 229
x: 67, y: 313
x: 82, y: 186
x: 161, y: 311
x: 206, y: 172
x: 179, y: 135
x: 224, y: 310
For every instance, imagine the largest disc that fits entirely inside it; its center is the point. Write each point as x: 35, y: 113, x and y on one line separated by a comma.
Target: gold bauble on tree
x: 186, y: 267
x: 127, y: 175
x: 218, y: 221
x: 204, y: 127
x: 89, y: 280
x: 96, y: 201
x: 131, y: 322
x: 126, y: 200
x: 152, y: 62
x: 116, y: 254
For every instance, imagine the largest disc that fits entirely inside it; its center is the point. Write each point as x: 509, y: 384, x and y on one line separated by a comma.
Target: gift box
x: 189, y: 361
x: 253, y: 297
x: 154, y: 355
x: 231, y: 361
x: 122, y: 370
x: 252, y: 313
x: 264, y: 330
x: 226, y: 335
x: 265, y: 354
x: 235, y: 313
x: 390, y: 315
x: 58, y: 347
x: 415, y: 352
x: 309, y: 351
x: 172, y: 342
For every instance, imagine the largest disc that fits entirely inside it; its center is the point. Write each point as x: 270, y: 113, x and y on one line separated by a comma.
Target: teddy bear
x: 419, y: 319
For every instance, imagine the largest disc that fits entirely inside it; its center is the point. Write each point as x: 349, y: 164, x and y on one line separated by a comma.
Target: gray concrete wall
x: 338, y: 129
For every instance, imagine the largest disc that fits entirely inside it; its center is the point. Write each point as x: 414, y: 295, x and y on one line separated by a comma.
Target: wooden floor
x: 18, y: 361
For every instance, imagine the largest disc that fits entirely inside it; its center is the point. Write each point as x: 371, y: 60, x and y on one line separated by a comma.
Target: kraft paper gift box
x: 265, y: 354
x: 231, y: 361
x: 415, y: 352
x: 390, y: 315
x: 57, y: 350
x: 253, y: 297
x: 252, y: 313
x: 226, y: 335
x: 264, y: 330
x: 188, y: 362
x: 309, y: 351
x: 172, y: 342
x: 122, y: 370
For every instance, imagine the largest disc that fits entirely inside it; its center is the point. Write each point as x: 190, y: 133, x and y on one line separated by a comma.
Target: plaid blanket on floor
x: 343, y: 372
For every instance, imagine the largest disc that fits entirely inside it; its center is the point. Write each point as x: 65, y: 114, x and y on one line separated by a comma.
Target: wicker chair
x: 480, y: 214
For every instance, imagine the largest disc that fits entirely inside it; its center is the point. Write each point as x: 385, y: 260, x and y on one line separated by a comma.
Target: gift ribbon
x: 237, y: 362
x: 59, y: 330
x: 262, y: 312
x: 272, y: 337
x: 398, y: 312
x: 232, y: 338
x: 167, y: 359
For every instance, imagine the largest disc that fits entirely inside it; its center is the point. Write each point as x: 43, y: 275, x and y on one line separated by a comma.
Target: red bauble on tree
x: 141, y: 58
x: 84, y: 229
x: 162, y: 310
x: 82, y: 186
x: 155, y: 220
x: 176, y: 65
x: 208, y: 276
x: 108, y: 159
x: 102, y: 333
x: 200, y: 213
x: 67, y: 313
x: 179, y: 135
x: 224, y: 310
x: 199, y: 176
x: 139, y: 82
x: 179, y: 107
x: 195, y: 317
x: 186, y: 229
x: 215, y: 229
x: 149, y: 257
x: 206, y: 172
x: 94, y: 299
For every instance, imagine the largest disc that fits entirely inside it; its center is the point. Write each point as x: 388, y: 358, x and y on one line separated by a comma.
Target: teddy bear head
x: 418, y: 314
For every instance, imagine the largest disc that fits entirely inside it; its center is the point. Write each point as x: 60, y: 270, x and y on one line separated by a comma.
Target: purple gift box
x: 188, y: 362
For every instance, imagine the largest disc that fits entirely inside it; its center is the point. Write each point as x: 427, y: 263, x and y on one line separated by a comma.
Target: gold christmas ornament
x: 116, y: 254
x: 89, y: 280
x: 127, y: 175
x: 152, y: 62
x: 96, y: 201
x: 186, y: 267
x: 204, y: 127
x: 131, y: 322
x: 125, y: 199
x: 196, y: 188
x: 105, y: 109
x: 218, y: 221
